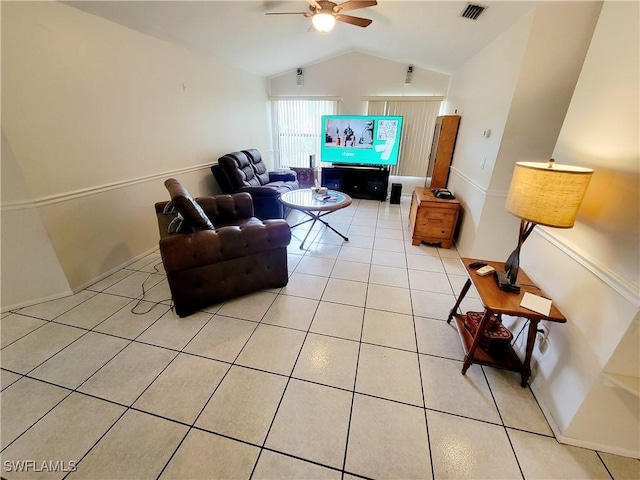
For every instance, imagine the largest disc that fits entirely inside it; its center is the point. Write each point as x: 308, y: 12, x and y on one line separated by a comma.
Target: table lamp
x: 541, y: 193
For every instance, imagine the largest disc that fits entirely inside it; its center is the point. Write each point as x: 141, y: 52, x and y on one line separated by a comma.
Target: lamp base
x: 505, y: 284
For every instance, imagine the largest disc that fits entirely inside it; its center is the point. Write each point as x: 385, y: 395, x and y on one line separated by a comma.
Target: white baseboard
x: 115, y: 269
x: 79, y: 288
x: 29, y: 303
x: 564, y: 439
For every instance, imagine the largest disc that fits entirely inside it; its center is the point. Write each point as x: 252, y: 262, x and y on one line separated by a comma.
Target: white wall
x: 26, y: 248
x: 355, y: 75
x: 519, y: 88
x: 97, y: 116
x: 601, y: 132
x: 574, y: 97
x: 557, y: 45
x: 481, y: 91
x: 592, y: 270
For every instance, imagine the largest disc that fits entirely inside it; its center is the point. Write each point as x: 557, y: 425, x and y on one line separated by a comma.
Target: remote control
x: 486, y: 270
x: 477, y: 264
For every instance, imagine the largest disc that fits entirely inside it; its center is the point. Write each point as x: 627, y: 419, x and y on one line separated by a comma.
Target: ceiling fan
x: 324, y: 13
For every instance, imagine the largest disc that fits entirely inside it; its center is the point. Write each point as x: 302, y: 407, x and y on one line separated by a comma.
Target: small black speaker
x: 396, y: 191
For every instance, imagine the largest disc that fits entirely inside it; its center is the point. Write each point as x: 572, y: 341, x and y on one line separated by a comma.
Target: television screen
x: 361, y: 140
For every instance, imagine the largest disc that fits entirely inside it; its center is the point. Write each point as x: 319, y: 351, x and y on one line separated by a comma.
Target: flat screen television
x: 361, y: 139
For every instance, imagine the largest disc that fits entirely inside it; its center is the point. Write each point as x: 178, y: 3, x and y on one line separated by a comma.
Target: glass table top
x: 307, y: 199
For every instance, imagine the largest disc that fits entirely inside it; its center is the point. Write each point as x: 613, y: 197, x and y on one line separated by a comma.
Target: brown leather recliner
x: 214, y: 249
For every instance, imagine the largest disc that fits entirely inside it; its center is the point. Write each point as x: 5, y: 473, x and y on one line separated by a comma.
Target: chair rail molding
x: 86, y: 192
x: 611, y: 278
x: 619, y: 284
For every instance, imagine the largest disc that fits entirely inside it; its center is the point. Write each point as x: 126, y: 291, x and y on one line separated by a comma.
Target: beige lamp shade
x: 547, y: 193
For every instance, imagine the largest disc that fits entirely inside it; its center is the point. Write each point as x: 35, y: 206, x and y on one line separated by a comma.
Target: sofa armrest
x: 283, y: 176
x: 206, y: 247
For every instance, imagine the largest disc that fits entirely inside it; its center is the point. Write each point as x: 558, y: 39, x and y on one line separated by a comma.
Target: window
x: 297, y: 129
x: 417, y: 131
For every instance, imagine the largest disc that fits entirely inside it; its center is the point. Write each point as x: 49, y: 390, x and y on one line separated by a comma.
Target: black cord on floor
x: 518, y: 335
x: 144, y: 292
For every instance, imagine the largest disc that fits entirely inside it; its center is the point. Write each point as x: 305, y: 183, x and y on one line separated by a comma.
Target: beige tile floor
x: 350, y: 371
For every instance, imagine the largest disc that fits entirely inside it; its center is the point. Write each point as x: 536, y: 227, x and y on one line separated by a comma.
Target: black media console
x: 359, y: 182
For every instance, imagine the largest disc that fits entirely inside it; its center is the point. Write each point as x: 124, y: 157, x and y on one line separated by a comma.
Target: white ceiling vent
x: 472, y: 11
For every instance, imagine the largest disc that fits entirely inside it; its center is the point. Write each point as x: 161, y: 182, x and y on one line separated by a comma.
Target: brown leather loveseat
x: 214, y: 249
x: 246, y: 171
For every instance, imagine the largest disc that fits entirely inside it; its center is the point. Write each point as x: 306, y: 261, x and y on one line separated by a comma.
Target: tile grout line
x: 284, y: 391
x: 289, y: 377
x: 504, y: 427
x: 422, y: 389
x: 233, y: 363
x: 355, y: 379
x: 71, y: 391
x: 192, y: 426
x: 130, y: 406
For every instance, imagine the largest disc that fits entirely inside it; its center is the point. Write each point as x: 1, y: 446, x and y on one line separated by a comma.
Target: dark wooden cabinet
x: 444, y: 142
x: 359, y: 182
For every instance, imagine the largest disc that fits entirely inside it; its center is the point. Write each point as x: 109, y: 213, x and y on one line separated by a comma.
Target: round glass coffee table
x: 316, y: 206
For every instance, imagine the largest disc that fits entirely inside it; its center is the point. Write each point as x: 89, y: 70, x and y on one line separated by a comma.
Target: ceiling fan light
x: 323, y: 22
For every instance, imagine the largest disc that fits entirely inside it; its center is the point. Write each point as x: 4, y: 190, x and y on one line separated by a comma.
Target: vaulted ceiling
x: 427, y: 34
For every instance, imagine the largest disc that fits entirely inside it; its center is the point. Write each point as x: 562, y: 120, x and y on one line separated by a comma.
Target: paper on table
x: 537, y: 304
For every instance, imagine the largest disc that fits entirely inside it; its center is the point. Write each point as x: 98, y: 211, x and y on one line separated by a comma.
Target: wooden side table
x: 498, y: 302
x: 432, y: 220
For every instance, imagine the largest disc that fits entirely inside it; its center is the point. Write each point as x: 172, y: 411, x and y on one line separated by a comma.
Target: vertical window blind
x: 297, y: 129
x: 417, y: 132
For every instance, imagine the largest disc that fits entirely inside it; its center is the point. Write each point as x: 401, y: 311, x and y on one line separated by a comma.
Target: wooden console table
x: 498, y: 302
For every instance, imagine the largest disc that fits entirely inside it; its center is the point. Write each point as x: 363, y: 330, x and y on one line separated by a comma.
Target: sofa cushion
x: 186, y: 206
x: 283, y: 187
x: 260, y: 170
x: 239, y: 171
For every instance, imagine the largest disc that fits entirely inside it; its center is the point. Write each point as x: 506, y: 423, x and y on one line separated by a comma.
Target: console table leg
x: 464, y: 291
x: 531, y: 340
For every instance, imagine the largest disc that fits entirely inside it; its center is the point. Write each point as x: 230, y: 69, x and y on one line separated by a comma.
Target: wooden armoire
x: 444, y: 142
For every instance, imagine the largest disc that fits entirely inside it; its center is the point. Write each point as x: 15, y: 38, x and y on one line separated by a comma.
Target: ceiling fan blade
x: 355, y: 4
x: 313, y: 4
x: 286, y: 13
x: 360, y: 22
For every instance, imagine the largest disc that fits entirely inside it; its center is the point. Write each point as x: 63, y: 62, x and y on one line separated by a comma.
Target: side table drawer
x: 436, y: 223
